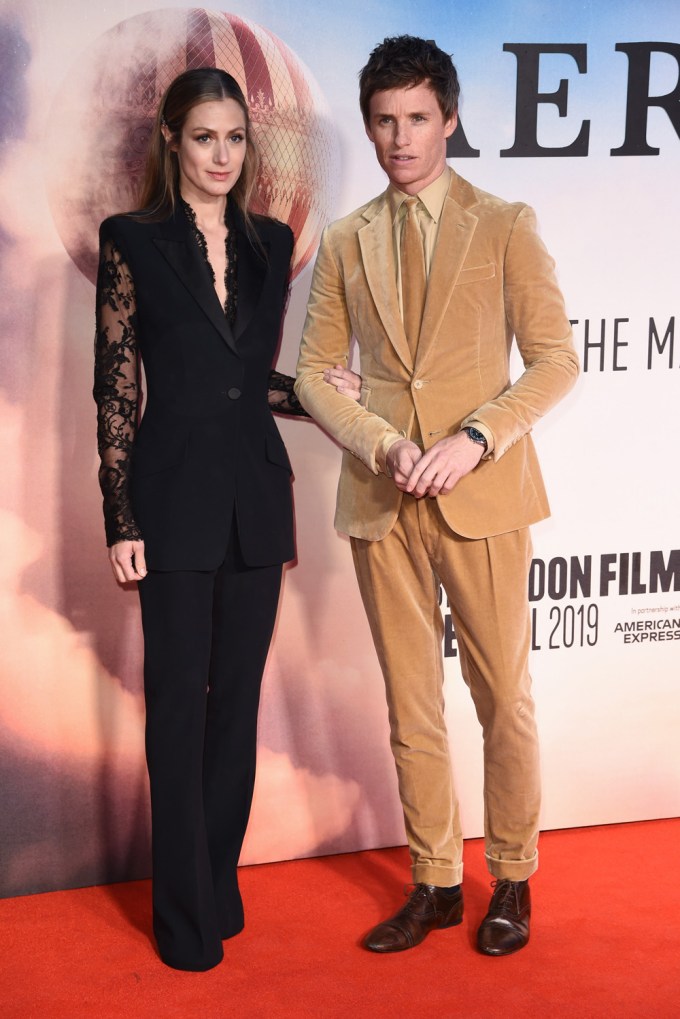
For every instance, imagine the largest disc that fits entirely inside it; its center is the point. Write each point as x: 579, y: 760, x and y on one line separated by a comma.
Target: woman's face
x: 211, y: 150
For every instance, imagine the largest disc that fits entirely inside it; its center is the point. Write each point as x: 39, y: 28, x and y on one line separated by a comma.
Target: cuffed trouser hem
x: 443, y: 877
x: 512, y: 870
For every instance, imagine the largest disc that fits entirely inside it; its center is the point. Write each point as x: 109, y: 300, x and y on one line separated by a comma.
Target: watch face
x: 476, y: 435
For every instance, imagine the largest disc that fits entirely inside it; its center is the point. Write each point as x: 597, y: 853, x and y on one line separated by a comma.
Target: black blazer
x: 208, y: 446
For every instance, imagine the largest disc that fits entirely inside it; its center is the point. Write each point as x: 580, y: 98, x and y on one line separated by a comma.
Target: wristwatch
x: 476, y: 436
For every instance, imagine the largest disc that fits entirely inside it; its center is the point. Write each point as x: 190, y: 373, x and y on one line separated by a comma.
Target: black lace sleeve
x: 282, y: 399
x: 116, y: 387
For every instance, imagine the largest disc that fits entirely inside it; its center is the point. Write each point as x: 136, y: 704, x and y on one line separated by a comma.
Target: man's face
x: 409, y: 132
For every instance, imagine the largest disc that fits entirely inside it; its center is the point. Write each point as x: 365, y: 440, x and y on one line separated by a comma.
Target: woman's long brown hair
x: 160, y: 187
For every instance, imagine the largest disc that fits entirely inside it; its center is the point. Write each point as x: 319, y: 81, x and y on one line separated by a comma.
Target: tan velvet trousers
x: 486, y: 583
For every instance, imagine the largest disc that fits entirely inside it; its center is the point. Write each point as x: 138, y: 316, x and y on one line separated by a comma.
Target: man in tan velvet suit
x: 440, y: 480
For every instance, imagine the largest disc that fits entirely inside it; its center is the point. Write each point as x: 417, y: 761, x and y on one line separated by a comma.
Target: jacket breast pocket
x: 476, y: 274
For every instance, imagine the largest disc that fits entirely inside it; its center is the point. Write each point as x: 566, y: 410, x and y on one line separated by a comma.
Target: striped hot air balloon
x: 104, y: 111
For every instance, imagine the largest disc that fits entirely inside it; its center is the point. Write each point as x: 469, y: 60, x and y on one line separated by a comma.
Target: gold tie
x: 413, y: 281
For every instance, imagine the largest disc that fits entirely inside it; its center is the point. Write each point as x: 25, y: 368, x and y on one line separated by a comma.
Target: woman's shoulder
x: 268, y: 229
x: 128, y: 225
x: 115, y: 229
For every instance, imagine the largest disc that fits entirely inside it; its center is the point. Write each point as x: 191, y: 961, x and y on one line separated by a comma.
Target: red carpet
x: 605, y: 943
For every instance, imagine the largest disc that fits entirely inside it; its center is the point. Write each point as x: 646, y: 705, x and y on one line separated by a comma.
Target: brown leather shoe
x: 428, y: 908
x: 505, y: 928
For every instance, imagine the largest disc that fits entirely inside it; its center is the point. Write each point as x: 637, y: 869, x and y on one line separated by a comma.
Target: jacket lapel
x: 377, y: 252
x: 178, y: 246
x: 453, y: 242
x: 251, y: 267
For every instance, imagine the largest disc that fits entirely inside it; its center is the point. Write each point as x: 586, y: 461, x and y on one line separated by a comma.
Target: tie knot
x: 411, y: 204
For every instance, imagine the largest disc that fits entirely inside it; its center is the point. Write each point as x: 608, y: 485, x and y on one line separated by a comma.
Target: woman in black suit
x: 197, y: 499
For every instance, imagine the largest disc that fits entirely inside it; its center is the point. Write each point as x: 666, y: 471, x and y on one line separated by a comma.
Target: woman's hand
x: 347, y: 382
x: 127, y: 561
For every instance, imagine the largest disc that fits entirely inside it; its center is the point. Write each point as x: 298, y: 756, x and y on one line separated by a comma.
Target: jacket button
x: 233, y: 393
x: 418, y: 384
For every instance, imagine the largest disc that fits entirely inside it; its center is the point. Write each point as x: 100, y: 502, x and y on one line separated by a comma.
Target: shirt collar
x: 432, y: 197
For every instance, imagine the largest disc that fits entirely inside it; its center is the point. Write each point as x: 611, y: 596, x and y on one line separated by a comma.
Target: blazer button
x: 418, y: 384
x: 234, y: 393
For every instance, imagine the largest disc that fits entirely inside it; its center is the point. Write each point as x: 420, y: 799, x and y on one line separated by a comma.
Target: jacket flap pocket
x: 276, y: 451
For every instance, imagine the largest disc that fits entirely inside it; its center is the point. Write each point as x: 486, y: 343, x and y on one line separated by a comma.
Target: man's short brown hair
x: 404, y: 61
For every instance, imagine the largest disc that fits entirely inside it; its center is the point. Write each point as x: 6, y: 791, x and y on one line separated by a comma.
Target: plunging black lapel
x: 251, y: 269
x: 177, y: 244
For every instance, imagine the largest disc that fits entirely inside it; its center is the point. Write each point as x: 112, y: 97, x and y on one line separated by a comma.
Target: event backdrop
x: 572, y: 108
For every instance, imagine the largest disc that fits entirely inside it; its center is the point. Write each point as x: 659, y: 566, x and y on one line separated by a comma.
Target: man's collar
x: 432, y: 197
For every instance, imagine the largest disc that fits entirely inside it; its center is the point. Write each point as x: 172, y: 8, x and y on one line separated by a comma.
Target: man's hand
x: 127, y: 561
x: 439, y: 470
x: 401, y: 459
x: 347, y: 382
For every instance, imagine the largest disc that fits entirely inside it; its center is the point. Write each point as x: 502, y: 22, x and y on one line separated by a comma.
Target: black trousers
x: 206, y: 638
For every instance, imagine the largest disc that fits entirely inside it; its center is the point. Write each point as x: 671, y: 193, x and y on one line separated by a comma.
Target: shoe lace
x: 413, y: 892
x: 506, y: 896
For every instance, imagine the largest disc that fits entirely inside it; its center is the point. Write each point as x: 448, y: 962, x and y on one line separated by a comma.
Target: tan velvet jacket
x: 491, y: 280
